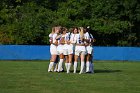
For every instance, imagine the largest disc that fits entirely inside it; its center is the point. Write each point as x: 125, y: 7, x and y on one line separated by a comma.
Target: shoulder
x: 50, y: 35
x: 67, y: 34
x: 77, y: 35
x: 72, y: 34
x: 54, y: 35
x: 87, y: 34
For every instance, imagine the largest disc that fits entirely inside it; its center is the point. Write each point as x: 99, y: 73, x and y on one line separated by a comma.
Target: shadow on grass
x: 106, y: 71
x: 97, y: 71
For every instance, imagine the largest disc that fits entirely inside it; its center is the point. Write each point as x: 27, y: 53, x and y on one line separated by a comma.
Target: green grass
x: 32, y: 77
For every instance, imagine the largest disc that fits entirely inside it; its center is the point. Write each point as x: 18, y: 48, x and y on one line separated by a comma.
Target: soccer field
x: 32, y: 77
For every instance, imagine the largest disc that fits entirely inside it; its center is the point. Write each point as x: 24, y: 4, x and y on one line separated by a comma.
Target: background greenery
x: 113, y: 22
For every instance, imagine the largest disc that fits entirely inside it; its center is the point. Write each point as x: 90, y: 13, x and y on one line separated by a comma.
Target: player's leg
x: 61, y: 56
x: 65, y: 52
x: 91, y: 65
x: 56, y: 63
x: 75, y: 62
x: 66, y: 62
x: 88, y: 63
x: 82, y: 57
x: 53, y: 58
x: 70, y: 56
x: 91, y: 61
x: 53, y: 51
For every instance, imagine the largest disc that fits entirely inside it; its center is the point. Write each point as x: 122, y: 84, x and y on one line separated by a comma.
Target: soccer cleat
x: 55, y: 70
x: 62, y: 70
x: 74, y: 72
x: 49, y: 71
x: 81, y: 72
x: 88, y: 72
x: 68, y: 72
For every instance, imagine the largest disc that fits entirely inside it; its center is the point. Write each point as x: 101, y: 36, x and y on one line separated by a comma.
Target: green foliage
x: 30, y: 21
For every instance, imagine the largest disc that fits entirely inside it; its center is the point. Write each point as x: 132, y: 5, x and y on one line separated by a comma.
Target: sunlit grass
x: 32, y: 77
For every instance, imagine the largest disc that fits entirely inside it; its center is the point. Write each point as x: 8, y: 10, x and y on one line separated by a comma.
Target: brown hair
x: 63, y: 29
x: 74, y: 29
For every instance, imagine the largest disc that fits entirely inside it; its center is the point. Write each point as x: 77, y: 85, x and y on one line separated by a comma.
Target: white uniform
x: 50, y: 37
x: 89, y: 48
x: 79, y: 49
x: 60, y: 50
x: 73, y: 42
x: 91, y: 64
x: 60, y: 46
x: 68, y: 48
x: 53, y: 48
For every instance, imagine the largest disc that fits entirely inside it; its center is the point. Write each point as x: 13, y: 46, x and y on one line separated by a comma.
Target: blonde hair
x: 53, y: 30
x: 81, y: 32
x: 57, y: 28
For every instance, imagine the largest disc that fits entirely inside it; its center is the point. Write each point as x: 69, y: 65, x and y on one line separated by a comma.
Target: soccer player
x: 89, y: 48
x: 69, y: 49
x: 61, y: 47
x: 53, y: 47
x: 80, y: 50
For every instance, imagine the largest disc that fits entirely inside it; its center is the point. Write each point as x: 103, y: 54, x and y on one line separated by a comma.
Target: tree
x: 113, y: 23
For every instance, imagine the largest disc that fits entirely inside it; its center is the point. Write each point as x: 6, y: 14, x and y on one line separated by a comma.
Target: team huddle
x: 69, y: 46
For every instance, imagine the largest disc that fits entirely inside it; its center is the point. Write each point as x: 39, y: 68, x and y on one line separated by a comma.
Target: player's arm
x: 55, y: 39
x: 50, y: 38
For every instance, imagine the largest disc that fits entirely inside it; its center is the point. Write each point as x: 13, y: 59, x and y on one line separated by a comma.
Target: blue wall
x: 30, y: 52
x: 24, y: 52
x: 117, y: 53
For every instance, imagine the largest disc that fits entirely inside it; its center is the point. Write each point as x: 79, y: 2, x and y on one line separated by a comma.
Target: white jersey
x: 53, y: 48
x: 89, y: 48
x: 78, y: 40
x: 62, y: 47
x: 91, y: 37
x: 67, y: 48
x: 50, y: 37
x: 54, y: 37
x: 86, y: 35
x: 73, y: 38
x: 66, y: 38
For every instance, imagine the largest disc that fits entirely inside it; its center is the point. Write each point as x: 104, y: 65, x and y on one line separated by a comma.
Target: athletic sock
x: 82, y: 67
x: 69, y: 65
x: 92, y: 68
x: 60, y: 65
x: 87, y: 66
x: 66, y: 65
x: 55, y: 67
x: 50, y: 66
x: 75, y: 67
